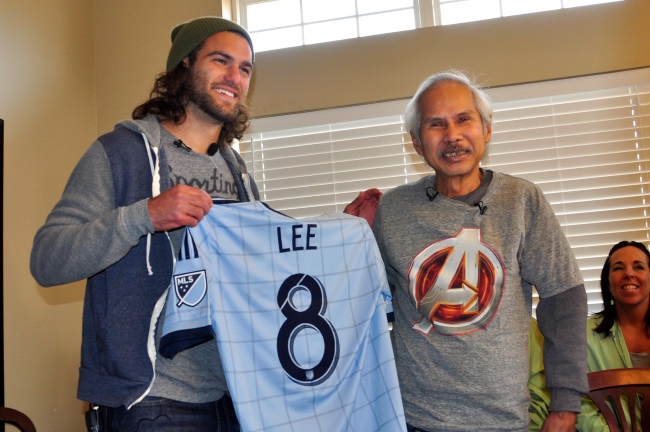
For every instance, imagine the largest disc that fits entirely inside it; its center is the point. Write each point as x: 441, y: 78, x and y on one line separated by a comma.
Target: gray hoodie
x: 100, y: 230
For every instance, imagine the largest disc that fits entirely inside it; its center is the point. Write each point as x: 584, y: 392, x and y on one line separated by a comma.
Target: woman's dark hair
x: 608, y: 313
x: 170, y: 95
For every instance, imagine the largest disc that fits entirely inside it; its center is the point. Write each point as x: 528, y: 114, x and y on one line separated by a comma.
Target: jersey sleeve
x: 386, y: 293
x: 187, y: 312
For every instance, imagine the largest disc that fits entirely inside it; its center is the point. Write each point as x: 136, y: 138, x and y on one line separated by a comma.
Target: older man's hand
x: 364, y: 205
x: 560, y: 421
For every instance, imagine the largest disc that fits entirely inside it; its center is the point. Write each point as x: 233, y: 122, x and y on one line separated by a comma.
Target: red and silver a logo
x: 457, y: 284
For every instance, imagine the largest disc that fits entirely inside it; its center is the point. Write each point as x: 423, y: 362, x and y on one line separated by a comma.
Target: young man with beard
x: 463, y: 248
x: 117, y: 225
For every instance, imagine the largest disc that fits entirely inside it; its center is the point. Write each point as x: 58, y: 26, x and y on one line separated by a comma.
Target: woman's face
x: 629, y: 277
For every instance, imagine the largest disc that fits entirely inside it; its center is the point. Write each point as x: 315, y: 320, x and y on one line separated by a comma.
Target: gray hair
x: 413, y: 112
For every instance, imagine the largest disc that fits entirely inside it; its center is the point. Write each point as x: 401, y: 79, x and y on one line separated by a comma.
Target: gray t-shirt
x: 463, y: 275
x: 194, y: 375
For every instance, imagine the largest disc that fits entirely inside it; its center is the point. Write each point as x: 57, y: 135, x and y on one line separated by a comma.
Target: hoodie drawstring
x: 155, y: 188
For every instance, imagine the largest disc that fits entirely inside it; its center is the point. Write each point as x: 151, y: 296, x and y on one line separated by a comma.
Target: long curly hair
x: 608, y: 313
x: 170, y: 96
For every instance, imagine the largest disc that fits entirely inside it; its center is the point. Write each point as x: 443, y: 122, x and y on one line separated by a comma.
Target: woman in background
x: 619, y: 335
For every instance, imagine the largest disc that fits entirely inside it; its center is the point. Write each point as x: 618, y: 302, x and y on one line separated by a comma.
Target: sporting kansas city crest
x: 457, y: 284
x: 189, y: 278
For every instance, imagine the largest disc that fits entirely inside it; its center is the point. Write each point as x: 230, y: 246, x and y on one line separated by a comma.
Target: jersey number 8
x: 303, y: 319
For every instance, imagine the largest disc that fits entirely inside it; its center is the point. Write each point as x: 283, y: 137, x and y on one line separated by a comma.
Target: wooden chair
x: 622, y: 387
x: 16, y: 418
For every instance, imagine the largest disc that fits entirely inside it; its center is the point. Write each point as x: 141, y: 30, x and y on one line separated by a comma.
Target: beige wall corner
x: 48, y: 102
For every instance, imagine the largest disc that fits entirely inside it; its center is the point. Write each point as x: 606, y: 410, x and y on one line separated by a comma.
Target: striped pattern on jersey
x: 298, y: 308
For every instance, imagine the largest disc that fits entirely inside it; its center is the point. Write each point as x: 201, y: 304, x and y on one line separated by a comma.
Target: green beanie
x: 187, y: 36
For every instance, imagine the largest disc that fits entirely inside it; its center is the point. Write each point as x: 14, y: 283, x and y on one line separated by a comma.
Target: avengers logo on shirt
x: 457, y: 284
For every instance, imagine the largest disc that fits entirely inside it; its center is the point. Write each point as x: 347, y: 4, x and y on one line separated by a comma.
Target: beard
x: 203, y: 100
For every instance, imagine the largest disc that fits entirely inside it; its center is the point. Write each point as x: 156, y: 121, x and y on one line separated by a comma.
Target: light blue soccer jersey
x: 298, y: 308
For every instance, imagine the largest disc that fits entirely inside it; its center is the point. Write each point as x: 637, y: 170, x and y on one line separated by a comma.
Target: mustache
x: 455, y: 148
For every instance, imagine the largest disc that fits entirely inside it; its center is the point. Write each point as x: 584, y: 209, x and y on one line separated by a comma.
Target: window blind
x: 584, y: 141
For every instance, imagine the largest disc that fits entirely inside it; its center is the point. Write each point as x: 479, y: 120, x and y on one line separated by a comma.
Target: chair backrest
x: 16, y: 418
x: 622, y: 387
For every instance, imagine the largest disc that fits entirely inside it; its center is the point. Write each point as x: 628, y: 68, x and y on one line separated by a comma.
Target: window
x: 584, y: 141
x: 458, y: 11
x: 284, y: 23
x: 277, y: 24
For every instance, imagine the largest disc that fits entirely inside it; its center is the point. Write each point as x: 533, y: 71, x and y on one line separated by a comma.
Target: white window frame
x: 239, y: 12
x: 427, y: 12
